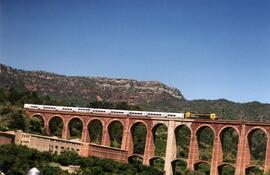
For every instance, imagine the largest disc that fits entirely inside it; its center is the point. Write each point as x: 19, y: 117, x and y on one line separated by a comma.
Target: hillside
x: 148, y: 95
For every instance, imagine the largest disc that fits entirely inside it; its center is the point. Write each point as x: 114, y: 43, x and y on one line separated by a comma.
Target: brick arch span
x: 251, y: 129
x: 176, y: 134
x: 155, y: 158
x: 179, y: 159
x: 107, y: 136
x: 155, y: 125
x: 132, y: 125
x: 198, y: 128
x: 115, y: 120
x: 153, y: 133
x: 254, y: 166
x: 103, y: 122
x: 174, y: 164
x: 137, y: 122
x: 202, y: 161
x: 185, y: 125
x: 56, y: 115
x: 68, y: 122
x: 220, y: 168
x: 227, y: 127
x: 87, y: 133
x: 45, y: 120
x: 221, y: 151
x: 136, y: 156
x: 226, y: 163
x: 75, y: 117
x: 247, y: 154
x: 51, y: 117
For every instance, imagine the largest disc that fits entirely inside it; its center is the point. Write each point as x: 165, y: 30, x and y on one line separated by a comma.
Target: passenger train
x: 123, y: 112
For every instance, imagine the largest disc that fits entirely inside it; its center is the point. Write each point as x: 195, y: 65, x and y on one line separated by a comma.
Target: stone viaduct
x: 243, y: 129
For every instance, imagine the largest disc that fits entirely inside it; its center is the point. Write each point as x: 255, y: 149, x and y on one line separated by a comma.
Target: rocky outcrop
x: 85, y: 89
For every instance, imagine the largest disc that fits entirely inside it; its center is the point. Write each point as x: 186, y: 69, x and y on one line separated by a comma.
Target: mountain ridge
x: 148, y: 95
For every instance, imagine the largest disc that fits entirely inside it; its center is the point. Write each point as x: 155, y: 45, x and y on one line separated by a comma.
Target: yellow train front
x: 193, y: 115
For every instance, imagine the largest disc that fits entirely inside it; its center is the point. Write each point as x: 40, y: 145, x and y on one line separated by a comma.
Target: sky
x: 208, y: 49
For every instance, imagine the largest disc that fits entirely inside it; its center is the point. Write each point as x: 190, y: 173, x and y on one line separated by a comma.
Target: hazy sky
x: 207, y: 49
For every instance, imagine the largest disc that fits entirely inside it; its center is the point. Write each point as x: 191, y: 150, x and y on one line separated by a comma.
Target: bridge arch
x: 179, y: 166
x: 75, y: 129
x: 257, y: 128
x: 226, y: 168
x: 138, y: 132
x: 205, y: 135
x: 157, y: 162
x: 202, y: 166
x: 95, y: 130
x: 203, y: 126
x: 160, y: 134
x: 229, y: 138
x: 135, y: 158
x: 228, y: 126
x: 254, y: 169
x: 138, y: 121
x: 182, y: 139
x: 96, y: 118
x: 41, y: 115
x: 115, y: 130
x: 56, y: 125
x: 257, y: 147
x: 38, y: 124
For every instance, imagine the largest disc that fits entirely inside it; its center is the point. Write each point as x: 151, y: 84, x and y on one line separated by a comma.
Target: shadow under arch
x: 203, y: 167
x: 157, y: 162
x: 226, y: 169
x: 75, y: 127
x: 56, y: 125
x: 257, y: 141
x: 160, y: 132
x: 37, y: 124
x: 205, y: 135
x: 182, y: 139
x: 138, y: 131
x: 115, y: 129
x: 229, y: 137
x: 95, y: 129
x: 254, y: 170
x: 179, y: 166
x: 135, y: 159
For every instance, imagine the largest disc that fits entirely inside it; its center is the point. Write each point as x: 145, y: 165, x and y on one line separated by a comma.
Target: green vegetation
x: 205, y: 137
x: 226, y: 170
x: 182, y: 136
x: 160, y: 133
x: 229, y: 140
x: 254, y: 171
x: 179, y: 167
x: 17, y: 160
x: 157, y: 163
x: 95, y: 131
x: 56, y: 126
x: 116, y: 134
x: 257, y: 143
x: 204, y: 168
x: 139, y: 138
x: 75, y: 128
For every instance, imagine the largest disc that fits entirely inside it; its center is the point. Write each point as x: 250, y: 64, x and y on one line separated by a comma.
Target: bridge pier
x: 216, y: 154
x: 149, y: 146
x: 170, y: 149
